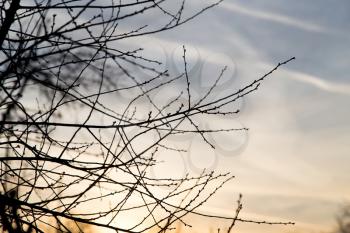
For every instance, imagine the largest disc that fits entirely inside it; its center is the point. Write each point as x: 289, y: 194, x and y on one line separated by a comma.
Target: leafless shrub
x: 64, y: 150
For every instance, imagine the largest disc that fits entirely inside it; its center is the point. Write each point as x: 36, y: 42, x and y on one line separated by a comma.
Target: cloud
x: 277, y: 18
x: 329, y: 86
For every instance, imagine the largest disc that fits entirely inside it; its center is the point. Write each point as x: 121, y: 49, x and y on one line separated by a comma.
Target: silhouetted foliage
x: 343, y: 220
x: 64, y: 150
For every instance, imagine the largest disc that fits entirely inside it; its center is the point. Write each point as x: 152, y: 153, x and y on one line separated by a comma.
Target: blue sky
x: 295, y: 164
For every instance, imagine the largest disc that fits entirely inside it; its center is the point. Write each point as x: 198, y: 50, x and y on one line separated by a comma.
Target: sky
x: 293, y: 164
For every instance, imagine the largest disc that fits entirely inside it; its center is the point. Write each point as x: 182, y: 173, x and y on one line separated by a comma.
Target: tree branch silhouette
x: 64, y: 149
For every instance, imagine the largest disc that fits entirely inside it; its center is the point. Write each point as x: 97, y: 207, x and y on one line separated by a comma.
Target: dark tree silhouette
x: 343, y: 220
x: 63, y: 149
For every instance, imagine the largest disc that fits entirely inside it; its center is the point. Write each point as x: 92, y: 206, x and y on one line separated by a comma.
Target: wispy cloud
x: 277, y: 18
x: 339, y: 88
